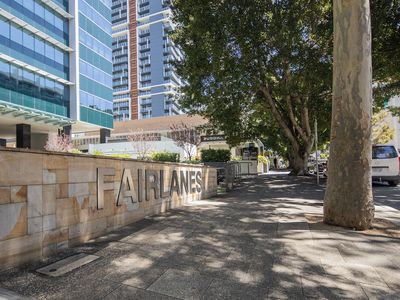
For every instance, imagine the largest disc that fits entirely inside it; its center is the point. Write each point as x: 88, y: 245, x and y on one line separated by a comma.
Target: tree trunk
x: 348, y: 199
x: 299, y: 160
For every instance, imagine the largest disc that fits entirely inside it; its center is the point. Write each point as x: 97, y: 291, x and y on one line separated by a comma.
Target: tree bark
x: 348, y: 198
x: 297, y: 130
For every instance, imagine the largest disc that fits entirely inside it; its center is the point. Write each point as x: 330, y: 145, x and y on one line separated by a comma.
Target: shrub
x: 215, y: 155
x: 262, y: 159
x: 75, y: 151
x: 122, y: 155
x: 97, y: 152
x: 236, y: 158
x: 192, y: 162
x: 165, y: 156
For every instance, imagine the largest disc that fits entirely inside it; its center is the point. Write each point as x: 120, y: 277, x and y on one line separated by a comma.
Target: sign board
x: 189, y: 182
x: 213, y: 138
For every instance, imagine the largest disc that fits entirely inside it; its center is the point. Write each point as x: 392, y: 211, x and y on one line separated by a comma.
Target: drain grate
x: 66, y: 265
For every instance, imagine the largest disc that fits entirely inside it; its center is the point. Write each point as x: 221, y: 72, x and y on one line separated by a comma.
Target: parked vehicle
x: 385, y: 164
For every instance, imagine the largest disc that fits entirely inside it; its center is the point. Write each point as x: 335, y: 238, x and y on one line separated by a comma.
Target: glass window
x: 39, y: 10
x: 28, y: 76
x: 16, y: 34
x: 4, y: 28
x: 28, y: 40
x: 4, y: 69
x: 49, y: 16
x: 58, y: 55
x: 49, y: 84
x: 39, y: 46
x: 49, y: 51
x: 28, y: 4
x: 382, y: 152
x: 58, y: 22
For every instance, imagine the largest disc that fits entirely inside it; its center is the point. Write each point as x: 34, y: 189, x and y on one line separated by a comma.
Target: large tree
x: 348, y: 198
x: 259, y: 62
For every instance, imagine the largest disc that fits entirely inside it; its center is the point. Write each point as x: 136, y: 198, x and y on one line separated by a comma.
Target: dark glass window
x: 382, y: 152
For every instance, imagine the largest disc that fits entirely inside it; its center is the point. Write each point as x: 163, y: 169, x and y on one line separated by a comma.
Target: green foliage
x: 385, y: 17
x: 123, y: 155
x: 262, y: 159
x: 165, y: 156
x: 97, y: 152
x: 215, y: 155
x: 192, y: 162
x: 75, y: 151
x: 269, y: 64
x: 382, y: 132
x: 236, y: 158
x: 265, y: 63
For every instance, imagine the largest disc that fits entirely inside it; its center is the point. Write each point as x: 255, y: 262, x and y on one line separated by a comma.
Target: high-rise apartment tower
x: 144, y: 80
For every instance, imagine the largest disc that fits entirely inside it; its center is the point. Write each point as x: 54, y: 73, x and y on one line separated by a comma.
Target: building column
x: 3, y: 143
x: 67, y: 130
x: 23, y: 136
x: 104, y: 135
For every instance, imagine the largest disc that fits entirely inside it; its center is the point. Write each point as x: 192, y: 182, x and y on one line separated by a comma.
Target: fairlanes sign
x: 182, y: 182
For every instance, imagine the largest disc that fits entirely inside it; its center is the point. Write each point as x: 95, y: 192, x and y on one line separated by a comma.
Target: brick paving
x: 252, y: 243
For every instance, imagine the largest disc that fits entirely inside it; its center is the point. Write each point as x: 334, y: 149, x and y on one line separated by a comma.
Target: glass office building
x: 56, y: 64
x: 144, y: 80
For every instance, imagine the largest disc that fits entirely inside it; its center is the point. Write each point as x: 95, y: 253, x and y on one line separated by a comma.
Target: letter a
x: 126, y: 188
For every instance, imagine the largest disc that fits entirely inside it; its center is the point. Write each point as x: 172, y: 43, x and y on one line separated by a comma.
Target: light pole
x: 316, y: 148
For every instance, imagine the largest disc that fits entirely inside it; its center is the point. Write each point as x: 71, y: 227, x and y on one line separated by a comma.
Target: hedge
x: 215, y: 155
x: 165, y: 156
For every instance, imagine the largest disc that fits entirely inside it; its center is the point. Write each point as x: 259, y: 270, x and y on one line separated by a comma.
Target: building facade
x: 55, y: 67
x: 144, y: 80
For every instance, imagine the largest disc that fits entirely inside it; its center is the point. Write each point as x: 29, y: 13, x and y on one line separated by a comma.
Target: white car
x: 385, y: 164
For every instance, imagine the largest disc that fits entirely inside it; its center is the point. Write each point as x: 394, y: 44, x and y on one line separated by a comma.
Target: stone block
x: 55, y: 162
x: 78, y: 190
x: 49, y: 199
x: 19, y: 193
x: 67, y: 212
x: 13, y: 220
x: 19, y: 168
x: 35, y: 225
x: 86, y: 231
x: 35, y: 200
x: 61, y: 190
x: 20, y: 250
x: 62, y: 176
x: 49, y: 177
x: 55, y: 236
x: 49, y: 222
x: 5, y: 195
x: 83, y: 169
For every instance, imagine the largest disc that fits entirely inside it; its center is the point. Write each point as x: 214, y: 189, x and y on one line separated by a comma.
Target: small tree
x: 58, y: 143
x: 185, y: 137
x: 382, y: 131
x: 142, y: 142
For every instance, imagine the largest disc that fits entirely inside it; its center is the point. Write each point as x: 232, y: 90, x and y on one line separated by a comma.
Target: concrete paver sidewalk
x: 253, y: 243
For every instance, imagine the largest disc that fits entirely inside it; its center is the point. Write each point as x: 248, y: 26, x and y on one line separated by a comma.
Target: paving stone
x: 181, y: 284
x: 252, y: 243
x: 379, y: 292
x: 128, y: 292
x: 227, y: 289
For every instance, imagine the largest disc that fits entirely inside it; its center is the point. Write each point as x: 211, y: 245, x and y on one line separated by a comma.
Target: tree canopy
x: 264, y: 68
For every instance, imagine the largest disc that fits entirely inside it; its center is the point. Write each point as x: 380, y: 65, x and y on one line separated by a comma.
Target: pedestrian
x: 276, y: 163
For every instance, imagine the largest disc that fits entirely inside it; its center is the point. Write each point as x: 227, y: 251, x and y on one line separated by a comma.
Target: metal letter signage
x: 154, y: 181
x: 103, y: 186
x: 126, y: 187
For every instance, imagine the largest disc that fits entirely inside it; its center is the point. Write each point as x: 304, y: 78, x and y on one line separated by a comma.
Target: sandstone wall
x: 49, y: 201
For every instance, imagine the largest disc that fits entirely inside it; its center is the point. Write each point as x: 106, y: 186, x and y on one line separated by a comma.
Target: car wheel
x: 393, y: 183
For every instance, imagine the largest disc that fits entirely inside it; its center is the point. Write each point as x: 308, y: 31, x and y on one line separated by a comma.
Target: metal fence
x: 229, y: 174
